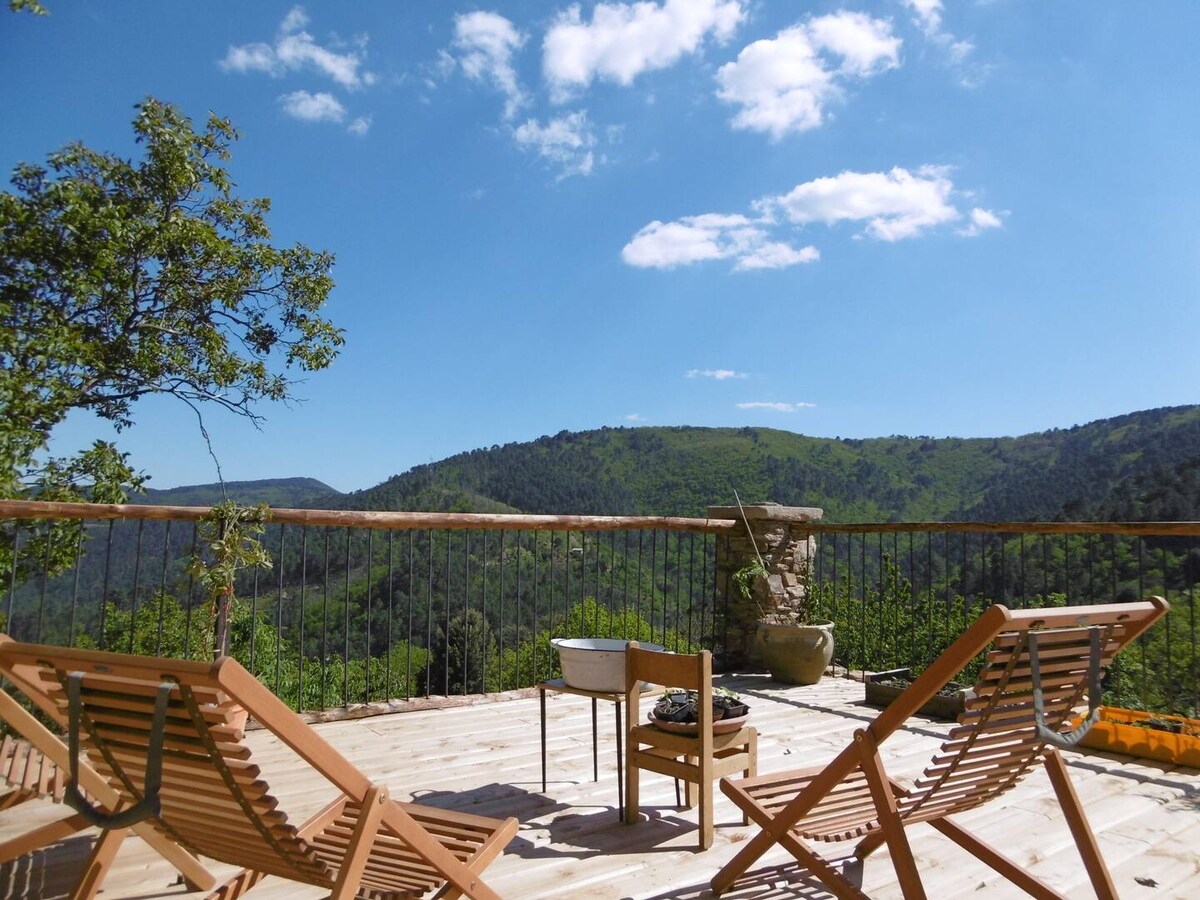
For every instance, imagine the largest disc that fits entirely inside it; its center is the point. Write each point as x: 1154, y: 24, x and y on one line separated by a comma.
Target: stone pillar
x: 786, y: 545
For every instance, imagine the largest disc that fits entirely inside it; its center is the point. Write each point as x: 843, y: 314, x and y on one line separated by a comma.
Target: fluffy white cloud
x: 895, y: 205
x: 785, y: 83
x: 295, y: 49
x: 981, y: 220
x: 622, y: 40
x: 486, y: 42
x: 319, y: 107
x: 665, y: 245
x: 775, y: 406
x: 360, y: 126
x: 566, y: 141
x: 717, y: 374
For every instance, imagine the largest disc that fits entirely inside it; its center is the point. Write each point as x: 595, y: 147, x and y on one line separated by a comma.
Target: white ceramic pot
x: 595, y: 664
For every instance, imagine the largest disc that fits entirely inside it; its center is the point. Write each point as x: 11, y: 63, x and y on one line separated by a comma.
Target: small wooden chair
x: 1043, y: 663
x: 167, y: 738
x: 697, y: 759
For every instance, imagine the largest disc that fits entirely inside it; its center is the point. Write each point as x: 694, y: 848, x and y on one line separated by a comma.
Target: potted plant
x: 1167, y: 738
x: 947, y: 704
x: 795, y: 646
x: 676, y: 710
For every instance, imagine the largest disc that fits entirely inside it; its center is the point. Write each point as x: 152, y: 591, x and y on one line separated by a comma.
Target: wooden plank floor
x: 485, y: 758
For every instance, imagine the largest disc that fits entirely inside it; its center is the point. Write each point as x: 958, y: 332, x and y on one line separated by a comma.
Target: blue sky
x: 849, y: 219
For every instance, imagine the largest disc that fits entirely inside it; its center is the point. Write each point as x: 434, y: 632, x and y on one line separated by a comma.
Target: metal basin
x: 595, y: 664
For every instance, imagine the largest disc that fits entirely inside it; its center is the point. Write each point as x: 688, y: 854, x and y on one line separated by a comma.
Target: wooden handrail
x: 35, y: 509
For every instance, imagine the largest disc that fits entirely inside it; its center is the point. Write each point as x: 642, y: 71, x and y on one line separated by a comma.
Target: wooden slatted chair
x: 35, y: 766
x: 697, y: 759
x: 167, y: 737
x: 1043, y: 663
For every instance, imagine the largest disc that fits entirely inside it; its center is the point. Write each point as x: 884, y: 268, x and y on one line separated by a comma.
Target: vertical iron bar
x: 75, y: 589
x: 104, y: 589
x: 187, y: 624
x: 278, y: 614
x: 162, y: 588
x: 324, y: 701
x: 300, y: 654
x: 367, y: 599
x: 137, y: 576
x: 346, y: 628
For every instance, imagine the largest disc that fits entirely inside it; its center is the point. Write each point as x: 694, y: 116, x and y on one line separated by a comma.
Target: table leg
x: 620, y: 769
x: 542, y: 695
x: 595, y: 746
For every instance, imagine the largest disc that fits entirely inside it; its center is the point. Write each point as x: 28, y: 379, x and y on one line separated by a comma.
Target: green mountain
x: 1141, y: 466
x: 277, y: 492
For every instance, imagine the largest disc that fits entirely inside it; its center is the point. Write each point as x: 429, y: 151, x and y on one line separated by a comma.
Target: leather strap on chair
x: 1071, y: 738
x: 149, y: 806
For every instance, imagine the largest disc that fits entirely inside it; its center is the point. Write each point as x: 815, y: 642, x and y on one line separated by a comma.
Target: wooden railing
x: 363, y: 606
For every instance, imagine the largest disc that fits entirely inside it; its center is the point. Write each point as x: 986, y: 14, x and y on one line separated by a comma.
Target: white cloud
x: 866, y: 46
x: 928, y: 16
x: 634, y: 417
x: 981, y: 220
x: 775, y: 255
x: 775, y: 406
x: 566, y: 141
x: 319, y: 107
x: 895, y: 205
x: 295, y: 49
x: 665, y: 245
x: 785, y: 84
x: 486, y: 42
x: 717, y: 374
x: 360, y: 126
x: 623, y: 40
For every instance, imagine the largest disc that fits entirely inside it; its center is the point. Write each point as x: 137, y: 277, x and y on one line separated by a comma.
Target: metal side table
x: 558, y: 685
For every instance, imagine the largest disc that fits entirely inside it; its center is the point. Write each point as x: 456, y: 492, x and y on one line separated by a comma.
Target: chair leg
x: 632, y: 773
x: 98, y: 863
x: 889, y: 819
x: 237, y: 885
x: 997, y: 860
x: 1085, y: 839
x: 705, y: 792
x: 361, y: 840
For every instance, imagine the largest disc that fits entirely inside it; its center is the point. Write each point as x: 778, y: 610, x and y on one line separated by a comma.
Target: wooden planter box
x: 946, y: 706
x: 1117, y: 732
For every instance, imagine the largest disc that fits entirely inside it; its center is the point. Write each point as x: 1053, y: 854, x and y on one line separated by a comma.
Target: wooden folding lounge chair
x: 1042, y: 665
x: 166, y: 735
x: 37, y: 766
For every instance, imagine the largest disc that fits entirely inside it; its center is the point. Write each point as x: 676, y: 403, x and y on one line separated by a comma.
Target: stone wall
x: 786, y: 545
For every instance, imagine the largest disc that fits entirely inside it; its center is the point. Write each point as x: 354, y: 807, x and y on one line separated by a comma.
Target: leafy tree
x: 466, y: 655
x: 31, y: 6
x: 121, y: 278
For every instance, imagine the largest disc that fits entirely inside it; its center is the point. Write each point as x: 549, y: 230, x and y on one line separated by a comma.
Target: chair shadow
x: 48, y: 872
x: 779, y: 882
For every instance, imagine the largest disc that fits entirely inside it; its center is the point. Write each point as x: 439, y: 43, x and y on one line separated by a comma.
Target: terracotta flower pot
x: 796, y: 654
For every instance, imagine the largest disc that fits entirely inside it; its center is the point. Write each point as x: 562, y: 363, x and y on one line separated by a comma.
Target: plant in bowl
x: 679, y: 705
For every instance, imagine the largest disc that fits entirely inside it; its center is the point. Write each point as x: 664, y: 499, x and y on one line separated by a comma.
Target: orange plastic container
x: 1118, y: 732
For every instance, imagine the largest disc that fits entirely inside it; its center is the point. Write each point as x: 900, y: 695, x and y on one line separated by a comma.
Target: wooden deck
x: 485, y: 758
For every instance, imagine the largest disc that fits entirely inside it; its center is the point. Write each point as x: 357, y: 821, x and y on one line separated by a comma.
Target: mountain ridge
x: 1137, y: 466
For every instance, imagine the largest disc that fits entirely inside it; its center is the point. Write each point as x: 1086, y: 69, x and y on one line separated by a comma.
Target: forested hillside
x: 298, y: 493
x: 1141, y: 466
